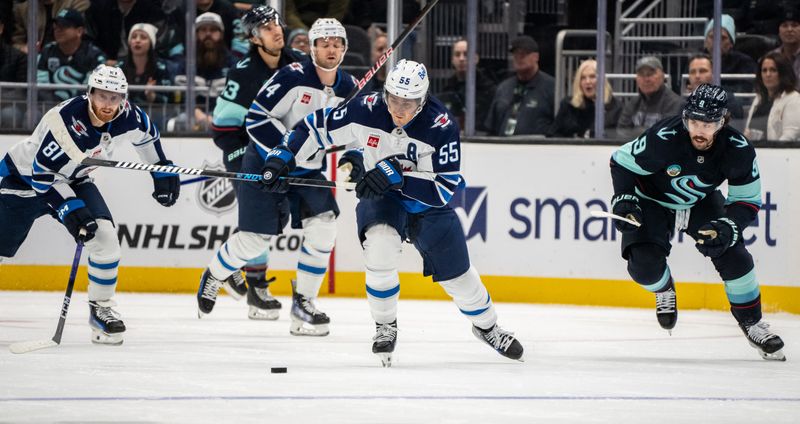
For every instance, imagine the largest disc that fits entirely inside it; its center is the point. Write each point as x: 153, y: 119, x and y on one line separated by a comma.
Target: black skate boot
x: 385, y: 339
x: 262, y: 305
x: 767, y: 343
x: 667, y: 309
x: 500, y: 340
x: 106, y: 326
x: 307, y: 320
x: 235, y: 286
x: 207, y: 293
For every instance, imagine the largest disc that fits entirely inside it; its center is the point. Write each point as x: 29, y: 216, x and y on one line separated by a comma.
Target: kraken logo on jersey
x: 685, y: 186
x: 216, y: 195
x: 470, y: 204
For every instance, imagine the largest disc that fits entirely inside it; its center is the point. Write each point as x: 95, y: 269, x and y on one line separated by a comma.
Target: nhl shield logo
x: 216, y: 195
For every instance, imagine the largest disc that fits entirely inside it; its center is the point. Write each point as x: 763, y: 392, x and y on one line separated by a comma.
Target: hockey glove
x: 387, y: 175
x: 626, y: 205
x: 74, y: 214
x: 715, y: 237
x: 166, y: 187
x: 356, y: 160
x: 279, y: 162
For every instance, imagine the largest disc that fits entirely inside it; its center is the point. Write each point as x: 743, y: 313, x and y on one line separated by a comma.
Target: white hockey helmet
x: 326, y: 28
x: 408, y: 80
x: 108, y: 78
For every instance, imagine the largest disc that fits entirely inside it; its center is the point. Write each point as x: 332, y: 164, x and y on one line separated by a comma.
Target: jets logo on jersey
x: 306, y: 99
x: 297, y: 67
x: 78, y: 127
x: 216, y: 195
x: 370, y: 101
x: 441, y: 121
x: 470, y: 205
x: 373, y: 140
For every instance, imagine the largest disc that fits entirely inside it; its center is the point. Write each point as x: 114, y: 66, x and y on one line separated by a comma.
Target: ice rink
x: 582, y: 365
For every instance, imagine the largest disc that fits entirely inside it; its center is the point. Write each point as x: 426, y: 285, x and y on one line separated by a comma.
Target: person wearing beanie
x: 298, y: 40
x: 142, y: 67
x: 789, y: 33
x: 733, y: 61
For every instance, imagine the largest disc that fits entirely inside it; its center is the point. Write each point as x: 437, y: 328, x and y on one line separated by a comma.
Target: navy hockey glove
x: 626, y: 205
x: 74, y: 214
x: 166, y: 187
x: 356, y: 160
x: 715, y: 237
x: 387, y: 175
x: 279, y: 162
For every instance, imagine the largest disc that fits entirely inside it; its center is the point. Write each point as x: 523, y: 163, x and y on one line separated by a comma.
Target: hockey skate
x: 500, y: 340
x: 261, y: 303
x: 385, y: 338
x: 667, y: 309
x: 207, y: 293
x: 235, y: 286
x: 106, y: 326
x: 307, y: 320
x: 768, y: 344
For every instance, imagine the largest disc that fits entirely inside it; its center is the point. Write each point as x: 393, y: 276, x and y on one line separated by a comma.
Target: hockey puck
x: 278, y: 370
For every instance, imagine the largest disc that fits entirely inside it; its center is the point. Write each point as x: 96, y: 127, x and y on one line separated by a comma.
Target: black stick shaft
x: 68, y: 295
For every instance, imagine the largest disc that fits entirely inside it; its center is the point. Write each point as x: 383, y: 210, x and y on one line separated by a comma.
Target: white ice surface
x: 582, y: 365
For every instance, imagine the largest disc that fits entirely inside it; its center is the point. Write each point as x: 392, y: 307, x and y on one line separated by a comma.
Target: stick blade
x: 31, y: 345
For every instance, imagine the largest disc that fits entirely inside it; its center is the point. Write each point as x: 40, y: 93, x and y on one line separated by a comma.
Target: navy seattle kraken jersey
x: 428, y: 147
x: 41, y: 160
x: 661, y: 165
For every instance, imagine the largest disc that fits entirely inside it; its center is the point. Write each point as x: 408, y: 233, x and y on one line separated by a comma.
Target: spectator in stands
x: 45, y: 16
x: 142, y: 67
x: 733, y: 62
x: 523, y: 103
x: 575, y: 116
x: 775, y: 114
x: 108, y: 23
x: 69, y: 59
x: 298, y: 40
x: 303, y: 13
x: 380, y: 43
x: 789, y: 33
x: 174, y: 38
x: 655, y: 101
x: 13, y: 68
x: 214, y: 59
x: 454, y: 92
x: 700, y: 72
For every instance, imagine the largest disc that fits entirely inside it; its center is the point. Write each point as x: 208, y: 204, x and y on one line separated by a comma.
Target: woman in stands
x: 774, y: 113
x: 576, y: 112
x: 142, y: 67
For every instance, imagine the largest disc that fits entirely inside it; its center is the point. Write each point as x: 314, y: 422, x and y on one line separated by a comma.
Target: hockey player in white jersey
x: 42, y: 175
x: 293, y: 92
x: 412, y: 158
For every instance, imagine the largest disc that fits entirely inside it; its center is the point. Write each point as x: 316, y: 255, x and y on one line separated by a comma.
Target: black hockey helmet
x: 707, y: 103
x: 258, y: 16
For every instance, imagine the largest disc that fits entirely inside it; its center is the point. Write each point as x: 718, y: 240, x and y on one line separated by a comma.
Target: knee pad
x: 246, y: 245
x: 382, y: 248
x: 320, y: 231
x: 104, y: 247
x: 646, y: 263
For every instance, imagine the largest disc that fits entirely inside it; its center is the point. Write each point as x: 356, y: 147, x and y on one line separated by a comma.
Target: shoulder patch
x: 79, y: 128
x: 443, y: 121
x: 243, y: 63
x: 739, y: 140
x: 370, y: 101
x: 297, y: 67
x: 664, y: 132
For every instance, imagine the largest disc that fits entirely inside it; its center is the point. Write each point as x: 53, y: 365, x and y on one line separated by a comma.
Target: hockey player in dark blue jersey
x: 42, y: 175
x: 668, y: 180
x: 412, y: 157
x: 293, y: 92
x: 268, y: 53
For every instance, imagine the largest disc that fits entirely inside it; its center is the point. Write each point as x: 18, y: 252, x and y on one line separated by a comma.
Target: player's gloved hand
x: 166, y: 187
x: 715, y: 237
x: 626, y: 205
x: 387, y: 175
x: 356, y: 161
x: 280, y: 161
x: 74, y: 214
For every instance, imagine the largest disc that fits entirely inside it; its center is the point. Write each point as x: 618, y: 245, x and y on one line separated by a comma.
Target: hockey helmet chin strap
x: 314, y: 56
x: 94, y: 116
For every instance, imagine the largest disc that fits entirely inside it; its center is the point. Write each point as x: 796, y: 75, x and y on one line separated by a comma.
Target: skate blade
x: 231, y: 292
x: 263, y: 314
x: 386, y: 359
x: 775, y: 356
x: 302, y: 328
x: 103, y: 338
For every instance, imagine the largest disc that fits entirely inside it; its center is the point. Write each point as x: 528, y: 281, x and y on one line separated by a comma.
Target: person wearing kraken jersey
x: 42, y: 175
x: 412, y: 157
x: 293, y: 92
x: 268, y: 53
x: 667, y: 180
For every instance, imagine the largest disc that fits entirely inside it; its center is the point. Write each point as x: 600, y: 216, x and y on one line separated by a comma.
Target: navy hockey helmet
x: 707, y: 103
x: 258, y: 16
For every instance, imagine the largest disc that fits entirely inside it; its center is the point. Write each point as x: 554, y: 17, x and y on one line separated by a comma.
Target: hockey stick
x: 604, y: 214
x: 31, y: 345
